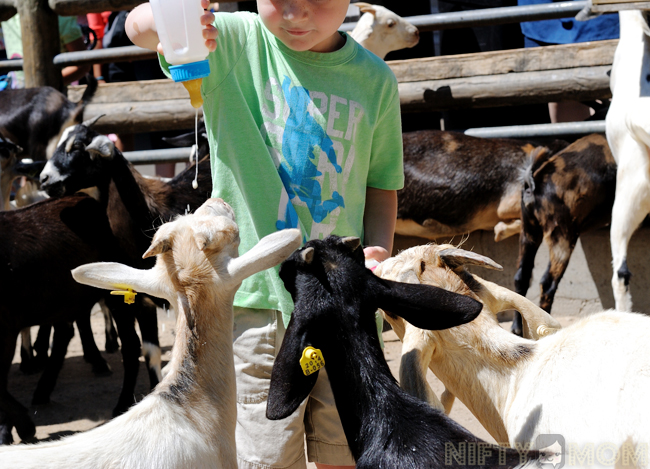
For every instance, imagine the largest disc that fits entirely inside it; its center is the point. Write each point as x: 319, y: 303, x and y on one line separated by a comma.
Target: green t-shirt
x: 69, y: 30
x: 296, y: 138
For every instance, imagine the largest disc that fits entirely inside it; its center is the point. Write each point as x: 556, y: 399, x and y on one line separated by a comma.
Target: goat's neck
x: 360, y: 379
x: 479, y: 363
x: 629, y: 76
x: 202, y: 377
x: 131, y: 189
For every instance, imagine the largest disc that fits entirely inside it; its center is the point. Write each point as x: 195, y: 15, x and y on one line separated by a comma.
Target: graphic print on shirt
x: 313, y: 156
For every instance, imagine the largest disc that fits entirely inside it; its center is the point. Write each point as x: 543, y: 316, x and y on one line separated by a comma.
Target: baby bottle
x: 180, y: 32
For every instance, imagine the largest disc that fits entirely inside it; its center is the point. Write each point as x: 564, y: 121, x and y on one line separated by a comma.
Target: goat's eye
x: 391, y: 23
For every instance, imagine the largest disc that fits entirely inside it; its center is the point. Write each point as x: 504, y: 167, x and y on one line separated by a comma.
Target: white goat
x: 587, y: 382
x: 381, y: 31
x: 188, y: 421
x: 628, y: 135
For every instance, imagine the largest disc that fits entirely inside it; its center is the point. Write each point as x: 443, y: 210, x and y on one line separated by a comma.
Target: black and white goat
x: 335, y: 300
x: 189, y: 420
x: 136, y: 206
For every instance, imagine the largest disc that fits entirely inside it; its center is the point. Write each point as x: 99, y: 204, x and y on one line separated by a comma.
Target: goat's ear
x: 426, y: 306
x: 289, y: 385
x: 365, y: 7
x: 161, y: 241
x: 270, y: 251
x: 114, y: 276
x: 102, y: 146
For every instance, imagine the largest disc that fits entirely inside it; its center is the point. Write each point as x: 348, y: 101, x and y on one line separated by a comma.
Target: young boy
x: 304, y: 129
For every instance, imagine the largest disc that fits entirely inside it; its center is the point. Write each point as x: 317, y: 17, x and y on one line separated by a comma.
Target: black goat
x: 39, y: 246
x: 335, y: 300
x: 34, y: 118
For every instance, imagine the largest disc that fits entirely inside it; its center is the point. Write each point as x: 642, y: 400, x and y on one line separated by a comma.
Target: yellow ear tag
x: 311, y: 361
x: 129, y: 295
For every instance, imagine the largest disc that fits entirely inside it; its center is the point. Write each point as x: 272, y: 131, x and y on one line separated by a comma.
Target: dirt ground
x: 82, y: 400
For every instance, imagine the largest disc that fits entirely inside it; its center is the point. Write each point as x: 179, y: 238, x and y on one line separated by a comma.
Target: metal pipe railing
x: 433, y: 22
x: 491, y: 16
x: 166, y: 155
x: 539, y: 130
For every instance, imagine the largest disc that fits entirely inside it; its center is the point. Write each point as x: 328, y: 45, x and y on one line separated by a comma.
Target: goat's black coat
x: 335, y: 302
x: 39, y: 246
x: 31, y: 117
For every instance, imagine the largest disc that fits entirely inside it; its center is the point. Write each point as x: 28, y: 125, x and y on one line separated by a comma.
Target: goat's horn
x: 90, y: 122
x: 455, y: 258
x: 351, y: 242
x: 307, y: 255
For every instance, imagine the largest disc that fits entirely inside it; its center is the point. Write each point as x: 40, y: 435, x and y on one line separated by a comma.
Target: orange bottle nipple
x: 193, y: 87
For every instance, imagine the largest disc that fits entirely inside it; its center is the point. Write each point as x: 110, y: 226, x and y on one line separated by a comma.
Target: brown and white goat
x: 189, y: 420
x: 562, y: 197
x: 455, y: 184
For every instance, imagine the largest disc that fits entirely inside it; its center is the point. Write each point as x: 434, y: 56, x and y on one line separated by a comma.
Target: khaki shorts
x: 280, y: 444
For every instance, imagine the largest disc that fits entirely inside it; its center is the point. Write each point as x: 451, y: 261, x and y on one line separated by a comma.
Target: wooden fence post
x: 39, y: 27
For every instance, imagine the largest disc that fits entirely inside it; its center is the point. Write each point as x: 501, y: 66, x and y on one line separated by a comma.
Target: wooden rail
x: 501, y: 78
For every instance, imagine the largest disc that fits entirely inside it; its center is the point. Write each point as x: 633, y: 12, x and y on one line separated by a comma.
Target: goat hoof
x: 102, y: 369
x: 26, y: 429
x: 516, y: 331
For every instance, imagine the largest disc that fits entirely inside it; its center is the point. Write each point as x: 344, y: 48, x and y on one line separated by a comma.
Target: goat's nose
x: 44, y: 178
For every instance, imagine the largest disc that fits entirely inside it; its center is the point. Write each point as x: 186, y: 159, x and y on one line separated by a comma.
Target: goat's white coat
x: 628, y: 135
x: 160, y: 432
x: 587, y: 382
x: 381, y: 31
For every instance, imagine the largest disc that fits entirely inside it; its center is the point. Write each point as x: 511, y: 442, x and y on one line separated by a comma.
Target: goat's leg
x: 530, y: 238
x: 12, y: 412
x: 92, y: 354
x: 63, y: 333
x: 112, y: 345
x: 630, y: 208
x: 416, y: 356
x: 42, y: 346
x: 560, y: 250
x: 125, y: 322
x: 27, y: 364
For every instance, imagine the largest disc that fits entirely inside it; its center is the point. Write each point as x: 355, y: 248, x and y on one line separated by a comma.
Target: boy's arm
x: 141, y: 28
x: 379, y: 223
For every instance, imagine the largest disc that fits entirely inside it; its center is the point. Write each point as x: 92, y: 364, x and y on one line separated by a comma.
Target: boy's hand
x: 377, y: 254
x: 209, y: 32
